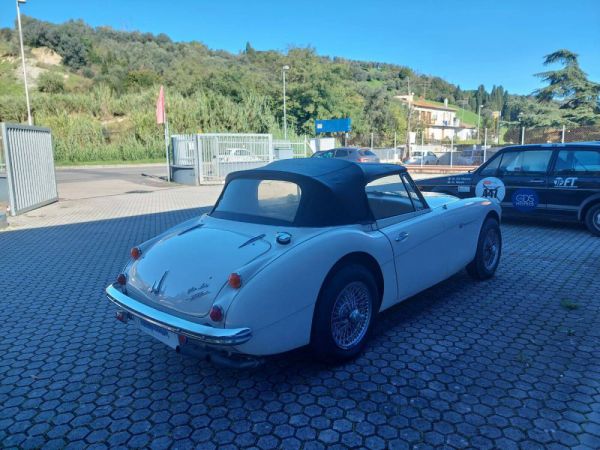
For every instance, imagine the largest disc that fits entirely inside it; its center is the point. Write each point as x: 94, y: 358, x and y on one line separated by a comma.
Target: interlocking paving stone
x: 494, y: 364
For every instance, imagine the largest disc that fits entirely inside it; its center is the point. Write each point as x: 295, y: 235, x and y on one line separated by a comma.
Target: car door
x: 416, y: 234
x: 518, y: 180
x: 574, y: 178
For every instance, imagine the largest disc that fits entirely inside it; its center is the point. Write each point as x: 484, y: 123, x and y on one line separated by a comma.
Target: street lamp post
x: 284, y: 69
x: 29, y: 118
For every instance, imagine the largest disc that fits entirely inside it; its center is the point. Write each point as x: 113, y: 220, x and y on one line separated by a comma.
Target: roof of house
x: 431, y: 105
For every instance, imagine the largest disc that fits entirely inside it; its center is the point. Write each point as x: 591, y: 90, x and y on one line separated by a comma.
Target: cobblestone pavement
x: 508, y: 363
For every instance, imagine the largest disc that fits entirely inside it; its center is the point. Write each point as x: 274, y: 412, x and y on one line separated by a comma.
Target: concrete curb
x: 112, y: 166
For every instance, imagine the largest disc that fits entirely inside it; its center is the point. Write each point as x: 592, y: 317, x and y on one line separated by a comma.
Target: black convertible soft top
x: 333, y: 190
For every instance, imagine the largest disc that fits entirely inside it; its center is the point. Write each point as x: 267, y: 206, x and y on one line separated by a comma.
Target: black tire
x: 324, y: 345
x: 592, y: 219
x: 489, y: 250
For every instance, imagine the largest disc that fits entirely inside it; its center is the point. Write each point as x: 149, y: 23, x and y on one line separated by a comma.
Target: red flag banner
x: 160, y: 107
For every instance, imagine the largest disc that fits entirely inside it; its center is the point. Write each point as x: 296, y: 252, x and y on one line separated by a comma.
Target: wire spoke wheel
x: 351, y: 315
x: 491, y: 249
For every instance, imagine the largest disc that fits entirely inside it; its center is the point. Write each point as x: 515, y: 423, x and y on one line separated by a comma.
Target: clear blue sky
x: 466, y: 42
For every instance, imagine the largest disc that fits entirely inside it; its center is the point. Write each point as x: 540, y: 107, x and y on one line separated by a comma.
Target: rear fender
x: 278, y: 302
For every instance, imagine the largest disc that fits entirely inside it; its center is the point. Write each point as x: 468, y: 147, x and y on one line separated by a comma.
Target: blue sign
x: 333, y: 125
x: 525, y: 200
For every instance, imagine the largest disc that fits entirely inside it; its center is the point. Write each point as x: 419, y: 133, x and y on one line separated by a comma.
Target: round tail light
x: 216, y: 313
x: 121, y: 279
x: 235, y: 280
x: 136, y: 252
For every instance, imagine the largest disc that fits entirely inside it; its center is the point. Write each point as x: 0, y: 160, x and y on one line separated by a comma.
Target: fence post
x: 395, y: 141
x: 371, y: 140
x: 422, y: 147
x: 270, y: 144
x: 451, y: 159
x: 305, y: 148
x: 485, y: 138
x: 198, y: 166
x: 562, y: 139
x: 522, y: 135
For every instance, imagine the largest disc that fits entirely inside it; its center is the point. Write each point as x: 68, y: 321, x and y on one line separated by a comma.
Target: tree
x: 570, y: 87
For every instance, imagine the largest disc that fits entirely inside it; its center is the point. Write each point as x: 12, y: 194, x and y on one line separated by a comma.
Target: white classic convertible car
x: 301, y: 252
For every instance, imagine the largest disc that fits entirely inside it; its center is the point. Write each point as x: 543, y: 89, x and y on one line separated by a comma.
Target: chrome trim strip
x: 202, y: 333
x: 565, y: 207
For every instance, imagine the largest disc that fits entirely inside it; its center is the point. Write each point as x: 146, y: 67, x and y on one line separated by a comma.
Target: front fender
x: 278, y: 302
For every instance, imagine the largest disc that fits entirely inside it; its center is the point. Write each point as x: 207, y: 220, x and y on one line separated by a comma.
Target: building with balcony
x: 437, y: 121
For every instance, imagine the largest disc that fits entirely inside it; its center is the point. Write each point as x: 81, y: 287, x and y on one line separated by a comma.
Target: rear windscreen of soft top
x: 259, y: 201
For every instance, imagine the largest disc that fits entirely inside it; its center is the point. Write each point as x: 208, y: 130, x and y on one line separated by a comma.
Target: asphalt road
x: 77, y: 183
x: 127, y: 173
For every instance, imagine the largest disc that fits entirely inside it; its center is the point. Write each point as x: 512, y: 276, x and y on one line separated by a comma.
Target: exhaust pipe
x: 219, y: 359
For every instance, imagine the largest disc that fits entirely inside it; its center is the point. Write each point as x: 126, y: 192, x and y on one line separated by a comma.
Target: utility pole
x: 29, y: 118
x: 284, y: 69
x: 498, y: 129
x: 479, y: 123
x: 409, y: 119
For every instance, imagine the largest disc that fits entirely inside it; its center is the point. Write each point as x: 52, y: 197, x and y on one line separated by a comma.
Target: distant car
x: 420, y: 157
x: 301, y: 252
x: 238, y: 155
x: 452, y: 158
x: 477, y: 157
x: 554, y: 181
x: 360, y: 155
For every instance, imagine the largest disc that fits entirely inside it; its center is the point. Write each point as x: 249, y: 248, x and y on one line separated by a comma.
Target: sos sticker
x: 492, y: 188
x: 525, y: 200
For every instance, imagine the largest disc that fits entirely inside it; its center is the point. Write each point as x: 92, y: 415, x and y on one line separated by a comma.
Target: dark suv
x: 556, y: 181
x: 359, y: 155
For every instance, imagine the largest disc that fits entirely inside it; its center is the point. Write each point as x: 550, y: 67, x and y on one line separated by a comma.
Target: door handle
x: 537, y: 180
x: 402, y: 236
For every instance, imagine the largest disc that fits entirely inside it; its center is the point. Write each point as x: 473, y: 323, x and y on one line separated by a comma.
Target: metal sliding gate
x: 208, y: 158
x: 29, y: 167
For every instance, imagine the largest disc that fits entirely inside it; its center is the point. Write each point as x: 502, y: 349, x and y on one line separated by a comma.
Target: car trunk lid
x: 185, y: 271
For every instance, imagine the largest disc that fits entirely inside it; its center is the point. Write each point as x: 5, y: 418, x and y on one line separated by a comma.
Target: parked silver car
x: 420, y: 157
x: 359, y: 155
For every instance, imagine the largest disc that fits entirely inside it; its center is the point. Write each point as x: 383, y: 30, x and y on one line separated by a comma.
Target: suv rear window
x: 259, y: 201
x: 366, y: 153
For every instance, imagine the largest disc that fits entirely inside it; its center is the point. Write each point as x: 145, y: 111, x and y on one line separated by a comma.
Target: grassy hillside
x: 96, y: 88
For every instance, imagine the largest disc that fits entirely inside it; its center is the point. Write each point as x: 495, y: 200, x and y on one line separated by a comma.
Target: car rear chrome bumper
x: 201, y: 333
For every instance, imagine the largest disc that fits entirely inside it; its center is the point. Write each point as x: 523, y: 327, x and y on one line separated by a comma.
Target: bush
x: 51, y: 83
